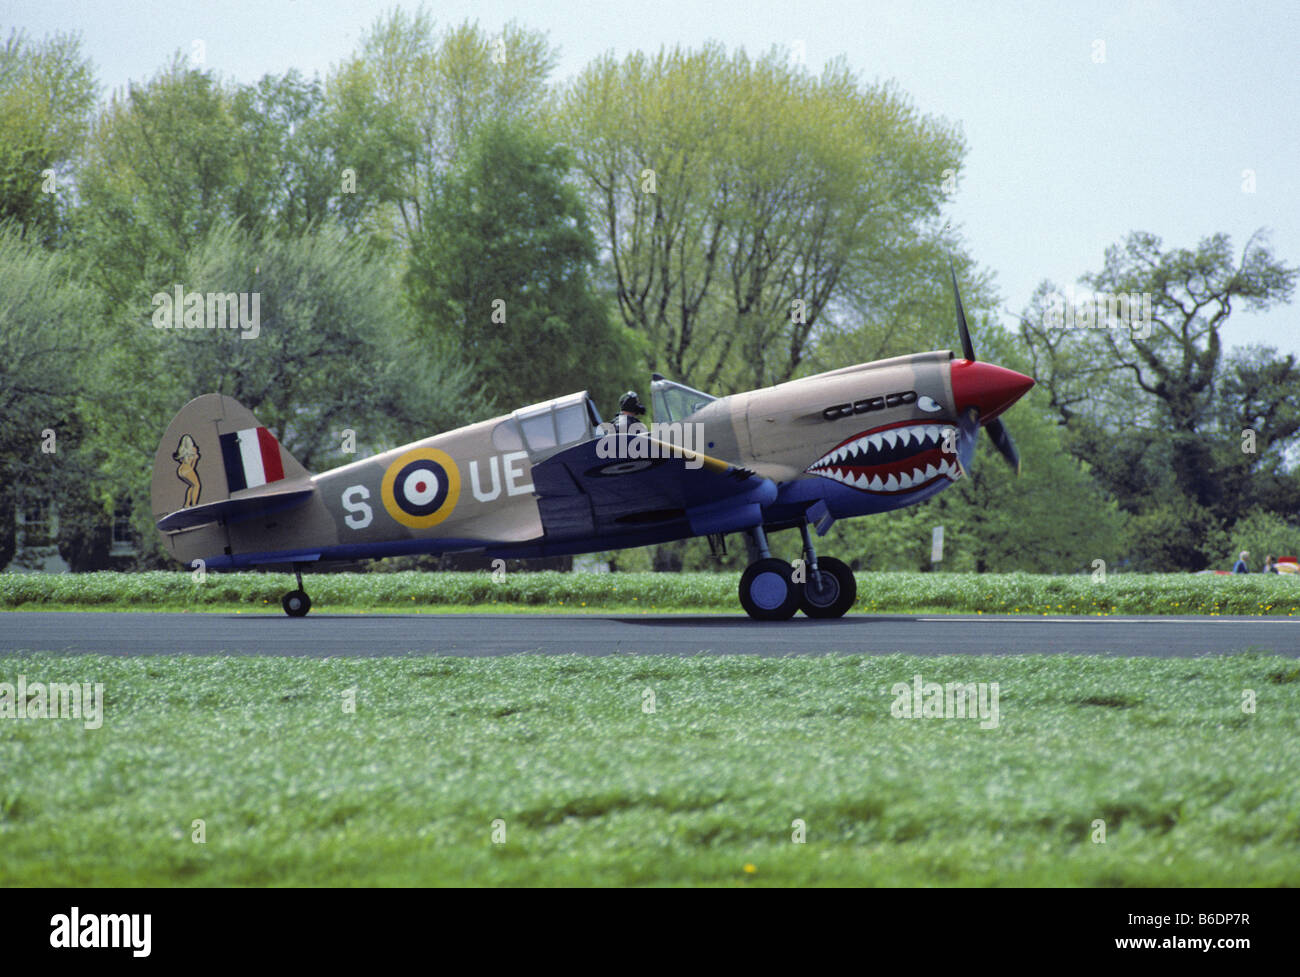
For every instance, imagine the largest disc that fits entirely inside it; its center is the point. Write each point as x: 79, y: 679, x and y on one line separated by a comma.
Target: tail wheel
x: 768, y: 591
x: 830, y: 591
x: 296, y: 603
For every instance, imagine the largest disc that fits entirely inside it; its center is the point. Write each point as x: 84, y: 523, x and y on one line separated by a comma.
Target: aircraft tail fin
x: 214, y: 455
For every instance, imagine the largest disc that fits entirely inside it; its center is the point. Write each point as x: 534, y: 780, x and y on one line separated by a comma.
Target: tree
x: 503, y: 272
x: 44, y: 348
x: 738, y: 198
x: 293, y: 182
x: 1151, y: 400
x: 163, y: 168
x: 403, y: 108
x: 182, y: 155
x: 1264, y: 534
x: 1258, y: 415
x: 1173, y: 533
x: 47, y: 94
x: 885, y: 316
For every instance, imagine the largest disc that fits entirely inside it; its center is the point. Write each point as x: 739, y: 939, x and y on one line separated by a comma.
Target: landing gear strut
x: 830, y: 587
x: 296, y: 603
x: 769, y: 590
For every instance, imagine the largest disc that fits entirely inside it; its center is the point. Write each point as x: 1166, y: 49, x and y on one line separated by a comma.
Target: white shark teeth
x: 844, y: 464
x: 901, y: 482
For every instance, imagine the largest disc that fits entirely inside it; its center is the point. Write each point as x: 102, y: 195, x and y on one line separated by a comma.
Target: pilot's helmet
x: 631, y: 403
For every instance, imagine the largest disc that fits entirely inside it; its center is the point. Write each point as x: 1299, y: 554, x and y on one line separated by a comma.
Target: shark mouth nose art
x: 894, y: 458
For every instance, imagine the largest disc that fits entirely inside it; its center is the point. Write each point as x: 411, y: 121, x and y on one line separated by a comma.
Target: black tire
x: 832, y: 593
x: 768, y: 591
x: 296, y: 603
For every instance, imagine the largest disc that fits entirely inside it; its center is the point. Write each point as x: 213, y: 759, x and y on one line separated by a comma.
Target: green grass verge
x: 1009, y: 593
x: 592, y: 789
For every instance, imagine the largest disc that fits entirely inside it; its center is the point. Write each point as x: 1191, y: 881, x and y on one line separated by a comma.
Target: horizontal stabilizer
x: 235, y: 510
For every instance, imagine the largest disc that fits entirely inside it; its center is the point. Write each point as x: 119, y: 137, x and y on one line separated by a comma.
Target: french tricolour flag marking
x: 252, y: 458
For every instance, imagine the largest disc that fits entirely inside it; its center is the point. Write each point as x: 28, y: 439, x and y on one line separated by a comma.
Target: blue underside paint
x: 677, y: 529
x: 843, y: 501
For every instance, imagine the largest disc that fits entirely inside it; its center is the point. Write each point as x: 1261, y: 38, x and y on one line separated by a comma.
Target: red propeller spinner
x: 988, y: 388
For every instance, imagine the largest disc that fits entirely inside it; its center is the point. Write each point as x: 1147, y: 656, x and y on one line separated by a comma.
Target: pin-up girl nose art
x: 187, y: 457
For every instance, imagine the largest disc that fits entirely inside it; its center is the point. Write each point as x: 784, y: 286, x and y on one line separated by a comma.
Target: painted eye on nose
x: 927, y: 405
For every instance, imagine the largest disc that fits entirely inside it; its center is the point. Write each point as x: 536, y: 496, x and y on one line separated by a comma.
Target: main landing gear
x: 296, y: 603
x: 769, y: 590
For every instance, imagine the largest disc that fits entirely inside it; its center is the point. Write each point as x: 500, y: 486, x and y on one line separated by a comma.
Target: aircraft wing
x: 622, y: 483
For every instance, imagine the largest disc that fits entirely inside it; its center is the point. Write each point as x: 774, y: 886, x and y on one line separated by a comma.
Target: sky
x: 1083, y: 122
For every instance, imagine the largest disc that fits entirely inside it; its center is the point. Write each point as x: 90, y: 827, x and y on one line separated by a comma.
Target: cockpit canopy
x: 553, y: 425
x: 545, y: 428
x: 674, y: 402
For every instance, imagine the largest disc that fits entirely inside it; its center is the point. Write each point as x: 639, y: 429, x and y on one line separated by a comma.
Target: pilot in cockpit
x: 630, y: 412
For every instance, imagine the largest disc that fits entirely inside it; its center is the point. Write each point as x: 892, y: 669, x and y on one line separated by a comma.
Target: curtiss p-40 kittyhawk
x: 552, y: 479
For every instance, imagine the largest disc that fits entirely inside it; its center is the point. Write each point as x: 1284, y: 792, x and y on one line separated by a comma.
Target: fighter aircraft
x: 551, y: 479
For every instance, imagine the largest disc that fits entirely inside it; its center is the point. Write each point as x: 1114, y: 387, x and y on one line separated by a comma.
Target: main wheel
x: 768, y: 592
x: 829, y: 592
x: 296, y: 603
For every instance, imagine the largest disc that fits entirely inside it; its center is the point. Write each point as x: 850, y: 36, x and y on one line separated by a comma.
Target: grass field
x: 1007, y: 593
x: 593, y: 789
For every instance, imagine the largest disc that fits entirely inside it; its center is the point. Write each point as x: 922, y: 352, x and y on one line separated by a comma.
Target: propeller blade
x: 1002, y: 441
x: 968, y: 432
x: 995, y: 428
x: 967, y: 348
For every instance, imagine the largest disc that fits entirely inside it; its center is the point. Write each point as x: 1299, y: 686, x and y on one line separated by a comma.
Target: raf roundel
x: 421, y: 487
x: 623, y: 467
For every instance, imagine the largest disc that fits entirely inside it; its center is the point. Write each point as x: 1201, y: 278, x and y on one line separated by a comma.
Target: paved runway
x: 323, y: 635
